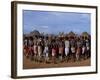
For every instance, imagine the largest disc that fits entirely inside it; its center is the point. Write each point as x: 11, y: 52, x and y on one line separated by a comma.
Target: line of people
x: 57, y: 49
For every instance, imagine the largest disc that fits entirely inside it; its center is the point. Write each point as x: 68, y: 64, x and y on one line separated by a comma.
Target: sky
x: 51, y: 22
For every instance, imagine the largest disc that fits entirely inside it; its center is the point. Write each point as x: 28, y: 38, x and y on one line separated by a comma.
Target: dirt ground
x: 28, y: 64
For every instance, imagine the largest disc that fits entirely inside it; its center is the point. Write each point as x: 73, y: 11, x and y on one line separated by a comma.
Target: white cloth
x: 66, y: 51
x: 46, y: 50
x: 53, y: 54
x: 66, y: 43
x: 83, y: 50
x: 39, y: 50
x: 88, y: 48
x: 73, y: 49
x: 35, y: 49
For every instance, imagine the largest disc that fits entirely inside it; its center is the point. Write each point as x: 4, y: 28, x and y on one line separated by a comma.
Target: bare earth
x: 28, y: 64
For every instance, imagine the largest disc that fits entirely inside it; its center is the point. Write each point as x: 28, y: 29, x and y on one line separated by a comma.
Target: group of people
x: 58, y: 49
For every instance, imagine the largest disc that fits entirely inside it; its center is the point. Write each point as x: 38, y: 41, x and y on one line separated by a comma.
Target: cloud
x: 44, y: 27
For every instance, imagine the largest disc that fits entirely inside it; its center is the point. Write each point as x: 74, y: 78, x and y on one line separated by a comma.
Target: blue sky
x: 55, y: 22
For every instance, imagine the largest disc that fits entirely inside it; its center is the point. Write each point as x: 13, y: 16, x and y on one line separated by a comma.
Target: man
x: 54, y: 52
x: 61, y: 50
x: 39, y: 47
x: 83, y: 42
x: 73, y: 49
x: 66, y: 48
x: 88, y: 47
x: 46, y: 51
x: 35, y: 50
x: 78, y: 50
